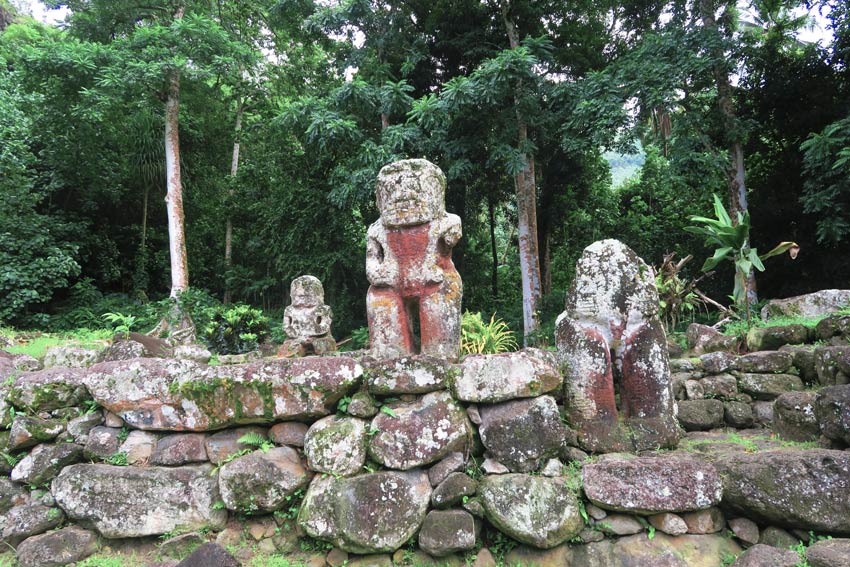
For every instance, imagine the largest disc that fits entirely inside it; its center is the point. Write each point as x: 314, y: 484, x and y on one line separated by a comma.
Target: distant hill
x: 623, y: 166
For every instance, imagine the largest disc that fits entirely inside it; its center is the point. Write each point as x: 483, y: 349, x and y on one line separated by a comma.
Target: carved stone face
x: 410, y: 192
x: 307, y: 291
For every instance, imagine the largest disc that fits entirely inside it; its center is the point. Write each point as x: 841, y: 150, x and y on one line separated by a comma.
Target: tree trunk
x: 526, y: 193
x: 736, y: 172
x: 234, y: 169
x: 145, y: 194
x: 491, y: 205
x: 174, y: 190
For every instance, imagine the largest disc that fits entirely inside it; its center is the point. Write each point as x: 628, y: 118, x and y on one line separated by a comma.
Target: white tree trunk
x: 234, y: 169
x: 174, y: 190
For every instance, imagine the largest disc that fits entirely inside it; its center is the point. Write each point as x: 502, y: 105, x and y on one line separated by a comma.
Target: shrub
x: 478, y: 337
x: 236, y: 329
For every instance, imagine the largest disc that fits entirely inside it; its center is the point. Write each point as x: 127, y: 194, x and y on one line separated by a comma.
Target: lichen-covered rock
x: 823, y: 302
x: 738, y: 414
x: 363, y: 405
x: 336, y: 445
x: 180, y: 395
x: 718, y: 362
x: 222, y: 445
x: 703, y: 339
x: 794, y: 416
x: 79, y: 427
x: 260, y: 482
x: 69, y: 357
x: 58, y: 548
x: 44, y: 462
x: 453, y: 490
x: 30, y: 431
x: 771, y: 338
x: 127, y: 350
x: 763, y: 413
x: 832, y: 364
x: 769, y: 386
x: 28, y: 520
x: 831, y: 326
x: 805, y: 489
x: 136, y: 502
x: 765, y: 361
x: 139, y: 446
x: 453, y: 462
x: 522, y: 433
x: 179, y: 449
x: 448, y: 531
x: 611, y: 321
x: 708, y: 521
x: 371, y: 513
x: 832, y: 410
x: 536, y: 510
x: 669, y: 523
x: 49, y: 389
x: 699, y: 415
x: 761, y: 555
x: 11, y: 494
x: 102, y: 442
x: 649, y: 485
x: 833, y: 552
x: 289, y: 433
x: 803, y: 357
x: 194, y: 352
x: 409, y: 375
x: 495, y: 378
x: 723, y: 386
x: 418, y: 433
x: 745, y: 530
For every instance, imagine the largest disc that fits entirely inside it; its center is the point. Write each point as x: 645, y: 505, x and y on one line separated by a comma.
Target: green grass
x: 273, y: 561
x: 36, y: 346
x: 105, y: 561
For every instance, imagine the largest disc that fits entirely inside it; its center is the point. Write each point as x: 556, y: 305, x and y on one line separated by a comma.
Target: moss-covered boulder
x: 409, y: 375
x: 501, y: 377
x: 49, y: 389
x: 765, y: 361
x: 794, y: 416
x: 336, y: 445
x: 136, y: 502
x: 521, y: 434
x: 181, y: 395
x: 448, y: 531
x: 69, y: 357
x: 371, y: 513
x: 649, y: 485
x: 29, y: 431
x: 28, y: 520
x: 537, y: 510
x: 61, y: 547
x: 771, y: 338
x: 45, y: 461
x: 262, y: 481
x: 769, y: 386
x: 410, y: 435
x: 804, y: 489
x: 832, y: 364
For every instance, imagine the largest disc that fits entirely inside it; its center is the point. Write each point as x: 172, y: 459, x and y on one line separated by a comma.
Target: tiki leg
x: 389, y: 326
x: 439, y: 317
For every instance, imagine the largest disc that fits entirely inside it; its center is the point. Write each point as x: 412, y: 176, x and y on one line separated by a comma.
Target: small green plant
x: 342, y: 404
x: 123, y: 434
x: 733, y: 244
x: 257, y: 441
x: 12, y: 459
x: 389, y: 411
x: 118, y: 459
x: 121, y: 324
x: 478, y: 337
x: 360, y: 338
x: 236, y: 329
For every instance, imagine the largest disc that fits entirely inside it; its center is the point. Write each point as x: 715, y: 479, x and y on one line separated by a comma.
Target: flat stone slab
x: 650, y: 485
x: 409, y: 375
x: 181, y: 395
x: 823, y: 302
x: 802, y: 489
x: 492, y: 378
x: 136, y: 502
x: 49, y: 389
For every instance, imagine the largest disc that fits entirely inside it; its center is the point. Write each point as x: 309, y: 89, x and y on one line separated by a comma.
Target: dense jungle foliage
x: 321, y: 94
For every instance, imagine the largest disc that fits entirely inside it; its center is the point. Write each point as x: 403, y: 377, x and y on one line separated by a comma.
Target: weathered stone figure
x: 307, y: 321
x: 409, y: 264
x: 610, y: 333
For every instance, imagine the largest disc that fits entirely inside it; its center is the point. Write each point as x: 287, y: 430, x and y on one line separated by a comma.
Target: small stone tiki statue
x: 610, y: 334
x: 409, y: 265
x: 307, y: 322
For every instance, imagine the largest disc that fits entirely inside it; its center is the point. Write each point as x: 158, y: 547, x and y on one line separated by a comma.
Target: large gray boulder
x: 500, y: 377
x: 49, y: 389
x: 136, y: 502
x: 769, y: 386
x: 418, y: 433
x: 823, y: 302
x: 69, y: 357
x: 765, y: 361
x: 371, y: 513
x: 650, y: 485
x: 261, y: 482
x: 804, y: 489
x: 832, y: 409
x: 794, y: 416
x: 521, y: 434
x: 28, y: 520
x: 58, y: 548
x: 771, y: 338
x: 181, y: 395
x: 336, y: 445
x: 537, y: 510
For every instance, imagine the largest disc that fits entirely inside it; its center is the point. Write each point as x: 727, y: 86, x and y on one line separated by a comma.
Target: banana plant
x: 732, y: 241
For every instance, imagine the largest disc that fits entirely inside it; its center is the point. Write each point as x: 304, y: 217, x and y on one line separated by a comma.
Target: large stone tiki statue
x: 307, y: 321
x: 610, y: 334
x: 409, y: 265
